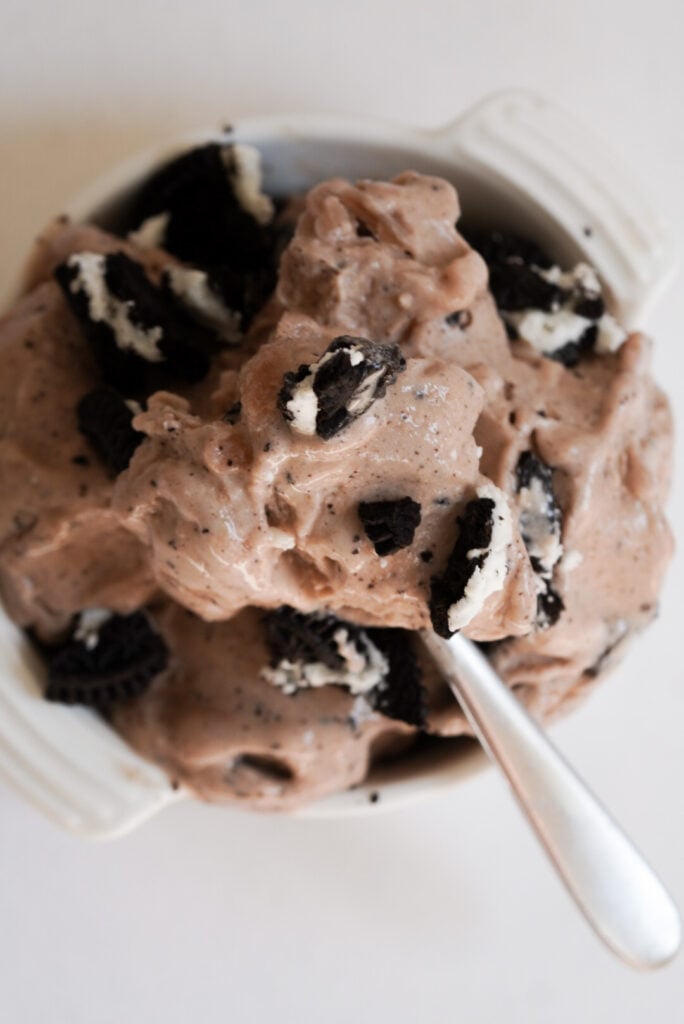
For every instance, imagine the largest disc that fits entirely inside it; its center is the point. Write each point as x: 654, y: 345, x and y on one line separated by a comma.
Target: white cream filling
x: 303, y: 406
x: 90, y: 622
x: 151, y: 234
x: 243, y: 164
x: 363, y: 398
x: 541, y: 535
x: 610, y: 335
x: 548, y: 331
x: 105, y: 308
x: 361, y: 672
x: 488, y: 578
x: 361, y: 712
x: 573, y: 559
x: 191, y: 288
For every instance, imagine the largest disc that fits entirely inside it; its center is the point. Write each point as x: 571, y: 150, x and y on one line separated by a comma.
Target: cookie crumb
x: 326, y: 396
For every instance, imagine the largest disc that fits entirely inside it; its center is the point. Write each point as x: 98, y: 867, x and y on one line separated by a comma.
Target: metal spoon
x: 618, y: 893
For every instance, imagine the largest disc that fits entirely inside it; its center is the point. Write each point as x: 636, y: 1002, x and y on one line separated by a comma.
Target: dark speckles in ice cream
x: 282, y: 435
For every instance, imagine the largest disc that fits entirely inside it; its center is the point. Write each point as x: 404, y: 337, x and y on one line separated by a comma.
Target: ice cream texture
x: 292, y: 436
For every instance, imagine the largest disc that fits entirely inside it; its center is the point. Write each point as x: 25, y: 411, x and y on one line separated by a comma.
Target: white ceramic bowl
x: 519, y: 163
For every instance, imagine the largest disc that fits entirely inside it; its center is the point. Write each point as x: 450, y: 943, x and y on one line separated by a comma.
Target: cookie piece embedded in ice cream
x: 401, y: 695
x: 215, y: 211
x: 106, y: 661
x: 497, y: 247
x: 128, y: 321
x: 550, y: 606
x: 390, y: 525
x: 540, y: 527
x: 326, y: 396
x: 320, y: 650
x: 560, y: 313
x: 200, y: 294
x: 477, y: 565
x: 106, y: 420
x: 540, y: 514
x: 377, y: 666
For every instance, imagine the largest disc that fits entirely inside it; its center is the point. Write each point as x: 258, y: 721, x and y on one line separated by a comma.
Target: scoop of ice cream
x: 62, y: 548
x: 217, y: 723
x: 377, y: 257
x: 272, y: 510
x: 256, y: 510
x: 396, y: 441
x: 583, y: 451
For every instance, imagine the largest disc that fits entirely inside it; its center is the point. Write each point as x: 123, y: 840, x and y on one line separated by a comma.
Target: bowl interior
x: 296, y: 154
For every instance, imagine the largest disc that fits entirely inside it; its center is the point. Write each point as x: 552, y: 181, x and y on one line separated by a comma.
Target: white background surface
x: 439, y: 912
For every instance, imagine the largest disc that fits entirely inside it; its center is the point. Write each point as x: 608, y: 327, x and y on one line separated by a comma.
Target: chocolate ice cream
x: 246, y: 457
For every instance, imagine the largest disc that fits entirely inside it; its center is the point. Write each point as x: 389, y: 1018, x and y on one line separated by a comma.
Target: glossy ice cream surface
x: 244, y: 495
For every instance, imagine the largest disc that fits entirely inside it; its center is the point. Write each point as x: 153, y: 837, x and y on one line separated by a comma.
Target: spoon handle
x: 618, y: 893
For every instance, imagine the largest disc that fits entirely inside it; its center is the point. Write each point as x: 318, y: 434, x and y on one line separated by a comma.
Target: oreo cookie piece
x: 377, y: 665
x: 497, y: 247
x: 138, y: 337
x: 210, y: 298
x: 550, y: 606
x: 560, y: 313
x: 390, y: 525
x: 540, y: 514
x: 326, y: 396
x: 106, y: 420
x: 459, y: 318
x: 571, y: 352
x: 401, y: 695
x: 516, y: 287
x: 114, y: 662
x: 216, y: 212
x: 477, y: 565
x: 320, y: 650
x: 540, y: 528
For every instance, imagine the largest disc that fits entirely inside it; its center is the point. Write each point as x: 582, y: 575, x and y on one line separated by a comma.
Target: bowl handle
x: 67, y: 761
x: 531, y: 147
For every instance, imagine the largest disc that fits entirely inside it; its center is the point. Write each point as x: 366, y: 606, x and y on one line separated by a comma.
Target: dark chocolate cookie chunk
x: 497, y: 247
x: 203, y: 296
x: 320, y: 650
x: 540, y: 514
x: 571, y: 353
x: 294, y: 636
x: 459, y: 318
x: 517, y: 287
x: 550, y: 607
x: 478, y: 563
x: 207, y: 223
x: 137, y: 335
x: 529, y: 469
x: 401, y: 695
x: 317, y: 649
x: 590, y: 306
x: 560, y: 313
x: 390, y: 525
x: 474, y: 534
x: 326, y: 396
x: 116, y: 663
x: 541, y: 525
x: 106, y: 420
